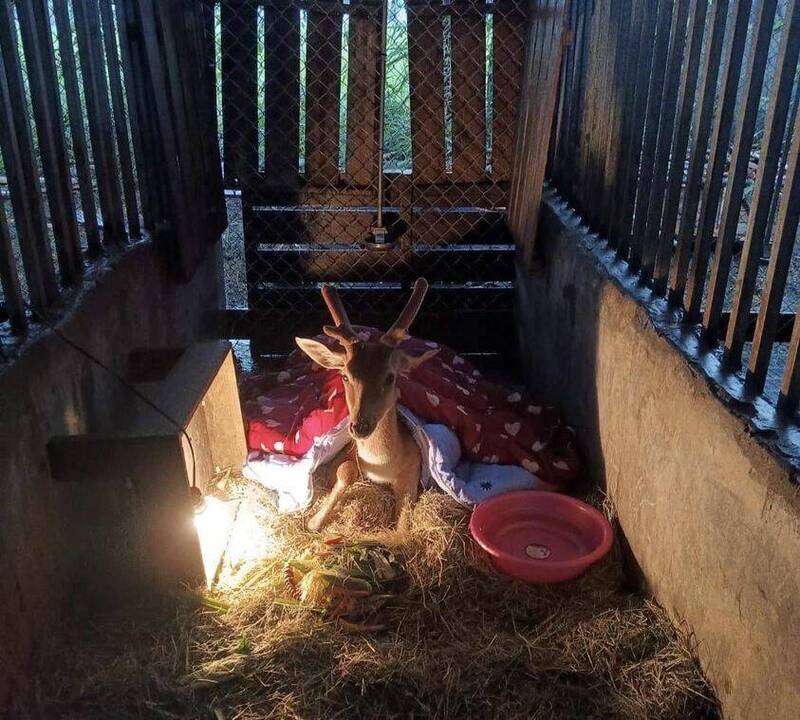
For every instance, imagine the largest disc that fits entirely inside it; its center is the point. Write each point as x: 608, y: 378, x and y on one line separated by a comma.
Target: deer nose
x: 360, y: 428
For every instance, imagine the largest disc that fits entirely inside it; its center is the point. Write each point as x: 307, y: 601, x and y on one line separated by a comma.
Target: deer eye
x: 345, y: 379
x: 390, y: 378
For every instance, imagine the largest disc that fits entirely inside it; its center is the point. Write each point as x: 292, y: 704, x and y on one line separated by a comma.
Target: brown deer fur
x: 383, y: 450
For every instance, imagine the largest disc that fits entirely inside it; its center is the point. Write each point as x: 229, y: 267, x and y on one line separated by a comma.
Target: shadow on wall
x: 558, y: 329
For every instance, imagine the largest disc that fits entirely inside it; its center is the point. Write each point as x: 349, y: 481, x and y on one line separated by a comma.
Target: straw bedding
x: 461, y: 642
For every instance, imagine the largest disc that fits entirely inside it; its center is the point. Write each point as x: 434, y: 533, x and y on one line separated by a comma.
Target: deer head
x: 369, y: 368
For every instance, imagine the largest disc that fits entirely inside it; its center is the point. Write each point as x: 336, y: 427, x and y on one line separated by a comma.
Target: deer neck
x: 385, y: 442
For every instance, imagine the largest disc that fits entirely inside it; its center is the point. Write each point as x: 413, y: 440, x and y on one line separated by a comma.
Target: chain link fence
x: 298, y: 98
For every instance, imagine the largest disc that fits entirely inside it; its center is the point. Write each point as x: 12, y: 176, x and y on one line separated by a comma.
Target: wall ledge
x: 703, y: 478
x: 776, y: 432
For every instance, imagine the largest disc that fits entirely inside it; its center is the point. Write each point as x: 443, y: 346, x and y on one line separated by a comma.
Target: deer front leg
x: 346, y: 474
x: 404, y: 497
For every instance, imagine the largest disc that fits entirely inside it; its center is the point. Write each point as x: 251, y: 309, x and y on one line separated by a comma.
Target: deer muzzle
x: 361, y: 428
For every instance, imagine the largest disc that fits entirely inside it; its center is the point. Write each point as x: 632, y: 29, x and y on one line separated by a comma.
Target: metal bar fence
x: 83, y: 161
x: 700, y: 191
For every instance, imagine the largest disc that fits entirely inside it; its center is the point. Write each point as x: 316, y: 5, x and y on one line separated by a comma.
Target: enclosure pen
x: 189, y: 187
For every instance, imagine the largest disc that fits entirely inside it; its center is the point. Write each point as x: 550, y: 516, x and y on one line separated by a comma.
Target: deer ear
x: 406, y: 363
x: 321, y: 354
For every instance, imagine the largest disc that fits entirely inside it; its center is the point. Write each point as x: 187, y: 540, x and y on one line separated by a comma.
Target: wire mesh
x: 298, y: 95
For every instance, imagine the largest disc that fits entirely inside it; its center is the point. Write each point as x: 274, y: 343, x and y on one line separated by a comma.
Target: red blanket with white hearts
x: 287, y: 410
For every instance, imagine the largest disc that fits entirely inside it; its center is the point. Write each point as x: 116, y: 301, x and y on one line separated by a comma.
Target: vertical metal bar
x: 599, y: 151
x: 76, y: 128
x: 781, y: 256
x: 34, y: 22
x: 183, y: 115
x: 617, y: 96
x: 638, y: 110
x: 630, y: 73
x: 170, y: 171
x: 23, y: 179
x: 152, y: 191
x: 672, y: 191
x: 581, y: 79
x: 9, y: 278
x: 701, y: 127
x: 769, y: 169
x: 382, y: 107
x: 669, y: 109
x: 655, y: 107
x: 567, y: 98
x: 737, y: 172
x: 98, y: 109
x: 720, y: 145
x: 120, y: 117
x: 239, y: 91
x: 775, y: 285
x: 589, y: 131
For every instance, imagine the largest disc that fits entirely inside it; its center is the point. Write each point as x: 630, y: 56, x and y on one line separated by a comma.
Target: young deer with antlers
x: 385, y: 451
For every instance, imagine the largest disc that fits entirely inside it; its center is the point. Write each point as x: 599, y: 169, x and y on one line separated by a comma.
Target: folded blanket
x: 297, y: 411
x: 442, y: 466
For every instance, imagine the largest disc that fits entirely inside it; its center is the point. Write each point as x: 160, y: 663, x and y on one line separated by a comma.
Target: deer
x: 382, y: 450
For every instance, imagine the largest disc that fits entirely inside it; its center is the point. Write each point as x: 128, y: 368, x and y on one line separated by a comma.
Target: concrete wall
x: 50, y: 390
x: 711, y: 517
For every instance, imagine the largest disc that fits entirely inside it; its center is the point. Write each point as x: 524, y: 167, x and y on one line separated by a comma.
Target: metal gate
x: 298, y: 93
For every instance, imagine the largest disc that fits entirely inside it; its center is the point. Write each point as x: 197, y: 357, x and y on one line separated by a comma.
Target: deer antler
x: 399, y: 331
x: 342, y: 330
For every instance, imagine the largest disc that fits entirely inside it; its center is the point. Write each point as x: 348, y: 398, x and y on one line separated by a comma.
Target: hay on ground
x: 461, y: 642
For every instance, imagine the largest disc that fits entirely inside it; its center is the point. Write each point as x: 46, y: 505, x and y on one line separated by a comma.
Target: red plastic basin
x: 541, y: 537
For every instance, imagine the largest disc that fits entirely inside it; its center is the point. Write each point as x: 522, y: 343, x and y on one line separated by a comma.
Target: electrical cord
x: 196, y: 496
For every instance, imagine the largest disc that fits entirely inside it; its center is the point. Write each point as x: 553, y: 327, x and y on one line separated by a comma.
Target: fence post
x: 23, y: 180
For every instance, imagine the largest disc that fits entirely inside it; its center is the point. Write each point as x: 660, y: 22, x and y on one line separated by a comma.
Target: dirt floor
x: 454, y: 639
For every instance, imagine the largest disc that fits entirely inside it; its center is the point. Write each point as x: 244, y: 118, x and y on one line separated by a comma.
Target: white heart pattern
x: 476, y: 449
x: 476, y: 373
x: 512, y: 428
x: 431, y: 344
x: 538, y: 446
x: 462, y: 409
x: 267, y: 409
x: 535, y: 409
x: 271, y: 423
x: 530, y: 465
x: 514, y: 397
x: 283, y: 376
x: 433, y: 399
x: 477, y: 427
x: 279, y: 446
x: 458, y: 360
x: 561, y: 465
x: 464, y: 390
